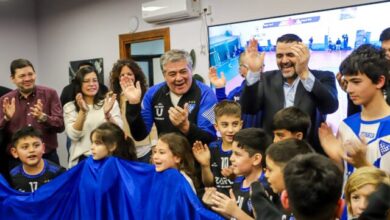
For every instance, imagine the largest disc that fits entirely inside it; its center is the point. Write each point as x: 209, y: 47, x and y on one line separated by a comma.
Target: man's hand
x: 302, y: 53
x: 201, y: 153
x: 213, y: 77
x: 133, y: 93
x: 37, y: 111
x: 179, y: 118
x: 253, y: 58
x: 9, y: 108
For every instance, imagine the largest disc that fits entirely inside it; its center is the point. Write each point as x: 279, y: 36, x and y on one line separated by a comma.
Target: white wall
x: 67, y: 30
x: 18, y: 36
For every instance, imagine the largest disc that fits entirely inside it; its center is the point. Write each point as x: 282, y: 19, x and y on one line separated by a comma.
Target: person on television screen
x: 293, y: 84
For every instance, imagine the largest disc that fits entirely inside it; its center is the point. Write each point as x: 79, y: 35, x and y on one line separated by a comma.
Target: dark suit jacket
x: 267, y: 96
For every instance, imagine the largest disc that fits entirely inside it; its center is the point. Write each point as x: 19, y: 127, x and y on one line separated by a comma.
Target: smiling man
x: 32, y: 105
x: 179, y: 104
x: 293, y: 84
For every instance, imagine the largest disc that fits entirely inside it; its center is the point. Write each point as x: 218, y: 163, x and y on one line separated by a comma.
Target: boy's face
x: 274, y: 175
x: 29, y: 150
x: 283, y: 134
x: 242, y: 163
x: 228, y: 126
x: 361, y: 89
x: 163, y: 157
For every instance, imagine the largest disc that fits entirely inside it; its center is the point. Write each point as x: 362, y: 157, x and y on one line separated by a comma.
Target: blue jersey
x: 156, y: 103
x: 377, y: 135
x: 219, y: 160
x: 242, y: 193
x: 29, y: 183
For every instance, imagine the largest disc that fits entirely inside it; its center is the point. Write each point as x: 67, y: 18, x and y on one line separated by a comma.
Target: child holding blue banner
x: 174, y: 151
x: 108, y: 139
x: 34, y: 171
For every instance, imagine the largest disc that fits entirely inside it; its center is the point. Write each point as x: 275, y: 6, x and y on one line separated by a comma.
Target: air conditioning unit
x: 161, y: 11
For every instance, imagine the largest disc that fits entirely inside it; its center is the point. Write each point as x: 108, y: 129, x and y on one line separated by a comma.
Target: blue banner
x: 107, y: 189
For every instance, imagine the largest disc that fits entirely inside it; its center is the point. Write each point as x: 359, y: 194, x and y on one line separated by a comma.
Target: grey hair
x: 175, y: 56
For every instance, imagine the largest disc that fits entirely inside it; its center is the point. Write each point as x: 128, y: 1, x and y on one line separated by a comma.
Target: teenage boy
x: 363, y: 138
x: 214, y: 160
x: 34, y: 171
x: 247, y: 160
x: 290, y: 122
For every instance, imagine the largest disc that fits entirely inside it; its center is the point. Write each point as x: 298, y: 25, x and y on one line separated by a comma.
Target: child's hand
x: 201, y: 153
x: 223, y: 204
x: 228, y: 172
x: 207, y: 196
x: 356, y: 153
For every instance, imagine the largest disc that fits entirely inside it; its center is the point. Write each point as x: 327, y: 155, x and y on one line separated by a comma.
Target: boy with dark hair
x: 248, y: 162
x: 363, y: 137
x: 34, y: 171
x: 214, y: 160
x: 278, y: 155
x: 313, y: 188
x: 290, y: 122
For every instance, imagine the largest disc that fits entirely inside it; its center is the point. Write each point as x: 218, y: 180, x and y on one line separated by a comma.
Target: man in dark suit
x: 3, y: 159
x: 312, y: 91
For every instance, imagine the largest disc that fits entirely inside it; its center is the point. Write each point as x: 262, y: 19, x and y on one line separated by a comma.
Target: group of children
x: 242, y: 158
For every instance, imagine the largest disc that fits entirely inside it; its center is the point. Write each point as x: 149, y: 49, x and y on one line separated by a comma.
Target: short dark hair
x: 369, y: 60
x: 314, y: 184
x: 283, y: 151
x: 253, y: 140
x: 292, y: 119
x: 227, y: 107
x: 385, y: 35
x: 28, y: 131
x: 288, y: 38
x: 18, y: 64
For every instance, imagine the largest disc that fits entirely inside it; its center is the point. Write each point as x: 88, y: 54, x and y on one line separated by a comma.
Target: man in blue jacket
x: 179, y: 104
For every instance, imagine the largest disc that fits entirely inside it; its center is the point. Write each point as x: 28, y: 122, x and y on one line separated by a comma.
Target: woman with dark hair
x: 128, y: 70
x: 89, y: 109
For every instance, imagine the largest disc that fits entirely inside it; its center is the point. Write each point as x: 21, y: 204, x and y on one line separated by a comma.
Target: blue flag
x: 111, y: 188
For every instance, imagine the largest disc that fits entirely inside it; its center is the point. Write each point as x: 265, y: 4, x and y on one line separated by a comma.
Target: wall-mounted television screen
x: 330, y: 34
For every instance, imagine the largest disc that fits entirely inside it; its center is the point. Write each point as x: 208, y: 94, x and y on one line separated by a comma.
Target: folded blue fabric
x: 111, y: 188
